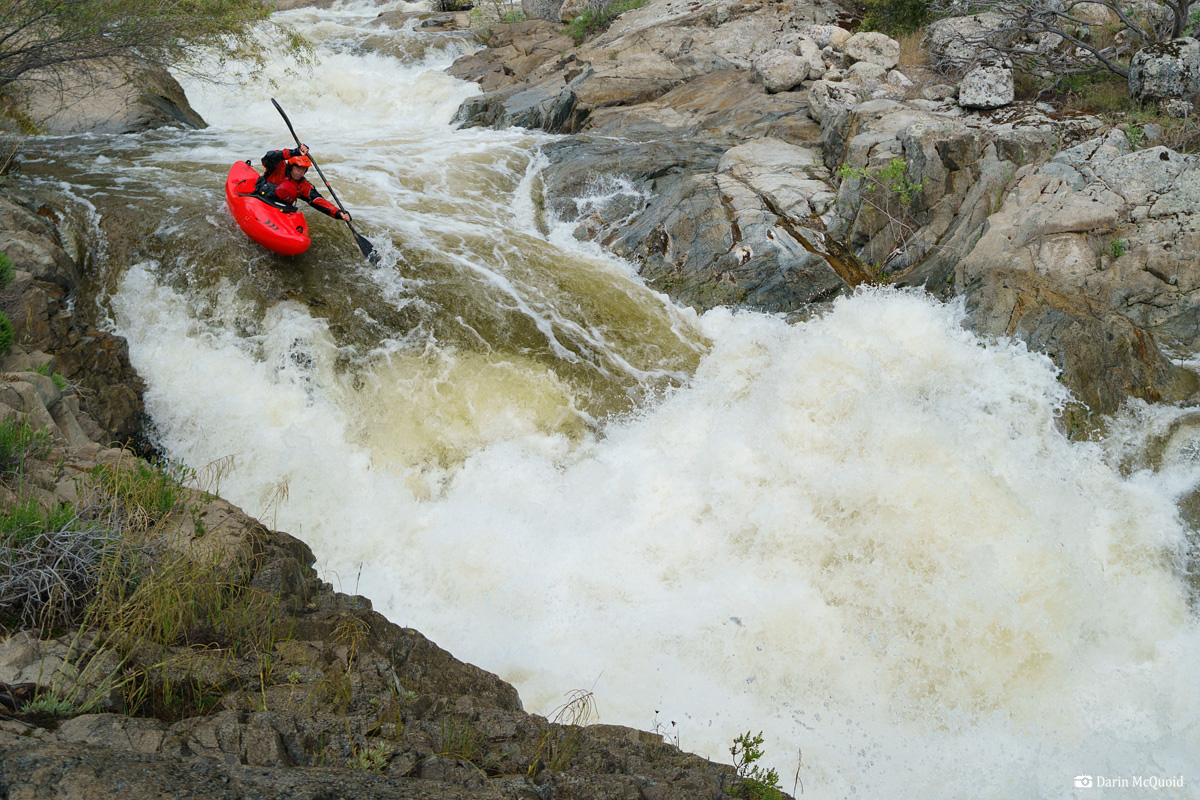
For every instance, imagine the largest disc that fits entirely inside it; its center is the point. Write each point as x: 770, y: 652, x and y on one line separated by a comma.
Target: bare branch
x: 41, y: 35
x: 1049, y: 37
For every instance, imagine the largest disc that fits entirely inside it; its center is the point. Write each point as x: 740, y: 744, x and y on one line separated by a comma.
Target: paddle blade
x: 367, y: 249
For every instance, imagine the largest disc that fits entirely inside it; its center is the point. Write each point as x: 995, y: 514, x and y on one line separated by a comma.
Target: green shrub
x: 372, y: 759
x: 59, y: 380
x: 505, y: 12
x: 895, y: 16
x: 141, y: 495
x: 7, y: 335
x: 7, y: 271
x: 595, y: 19
x: 754, y: 782
x: 20, y: 443
x: 25, y: 521
x: 50, y: 705
x: 892, y: 179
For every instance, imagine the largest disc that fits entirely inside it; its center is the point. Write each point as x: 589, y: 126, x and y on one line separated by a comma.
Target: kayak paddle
x: 363, y: 244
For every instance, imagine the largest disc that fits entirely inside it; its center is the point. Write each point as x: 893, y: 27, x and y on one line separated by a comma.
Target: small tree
x: 46, y: 36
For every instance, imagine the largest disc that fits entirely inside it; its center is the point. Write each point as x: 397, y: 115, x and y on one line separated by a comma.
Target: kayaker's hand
x: 343, y: 215
x: 303, y: 150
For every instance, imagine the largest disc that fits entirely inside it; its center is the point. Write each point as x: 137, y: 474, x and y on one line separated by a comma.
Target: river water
x: 861, y: 533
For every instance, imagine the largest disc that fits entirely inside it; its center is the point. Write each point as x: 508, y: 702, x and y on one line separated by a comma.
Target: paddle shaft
x: 363, y: 244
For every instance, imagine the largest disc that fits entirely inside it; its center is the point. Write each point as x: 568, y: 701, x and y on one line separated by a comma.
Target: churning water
x: 861, y: 534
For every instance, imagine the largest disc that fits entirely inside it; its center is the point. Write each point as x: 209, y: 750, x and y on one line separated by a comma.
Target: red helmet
x: 300, y: 161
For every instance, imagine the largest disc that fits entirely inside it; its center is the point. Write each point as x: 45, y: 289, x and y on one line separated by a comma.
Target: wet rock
x: 32, y: 243
x: 94, y: 362
x: 1096, y: 246
x: 1104, y: 357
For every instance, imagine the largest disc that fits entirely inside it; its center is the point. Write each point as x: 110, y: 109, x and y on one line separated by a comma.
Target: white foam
x: 868, y: 518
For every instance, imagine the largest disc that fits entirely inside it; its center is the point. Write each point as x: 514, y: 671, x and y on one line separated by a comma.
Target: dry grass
x: 912, y: 55
x: 561, y: 738
x: 143, y: 608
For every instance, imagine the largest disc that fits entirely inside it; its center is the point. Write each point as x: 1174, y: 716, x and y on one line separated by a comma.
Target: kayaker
x: 284, y: 181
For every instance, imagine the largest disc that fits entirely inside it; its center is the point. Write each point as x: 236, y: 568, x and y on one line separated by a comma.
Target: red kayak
x: 275, y: 228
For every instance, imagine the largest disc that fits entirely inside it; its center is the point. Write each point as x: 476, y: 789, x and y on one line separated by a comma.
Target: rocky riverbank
x: 737, y: 151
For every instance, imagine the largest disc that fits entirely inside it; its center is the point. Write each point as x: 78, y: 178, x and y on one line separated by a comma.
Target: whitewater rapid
x: 861, y: 534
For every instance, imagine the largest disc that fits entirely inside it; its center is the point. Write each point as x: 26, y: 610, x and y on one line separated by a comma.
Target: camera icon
x: 1083, y: 781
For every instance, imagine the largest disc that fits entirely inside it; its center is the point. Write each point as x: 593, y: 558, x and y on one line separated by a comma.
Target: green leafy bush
x: 7, y: 271
x: 754, y: 782
x: 595, y: 19
x: 505, y: 12
x: 25, y: 521
x: 48, y: 35
x: 59, y: 380
x: 895, y: 16
x: 7, y: 335
x: 892, y: 179
x: 20, y: 443
x: 50, y: 705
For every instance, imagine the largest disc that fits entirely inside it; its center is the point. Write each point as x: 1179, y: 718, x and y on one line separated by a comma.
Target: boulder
x: 568, y: 10
x: 1098, y: 247
x: 782, y: 70
x: 987, y: 86
x: 826, y: 96
x: 827, y: 35
x: 868, y: 74
x: 1166, y: 70
x: 958, y: 43
x: 875, y: 48
x: 1177, y: 108
x: 108, y: 96
x: 939, y: 91
x: 1093, y: 13
x: 541, y: 9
